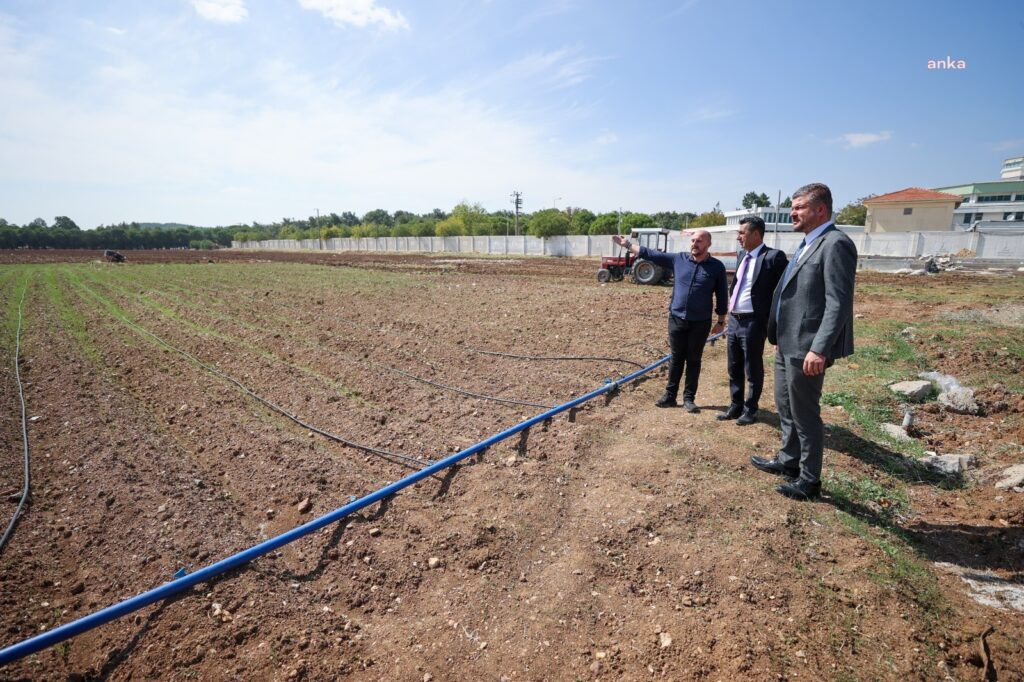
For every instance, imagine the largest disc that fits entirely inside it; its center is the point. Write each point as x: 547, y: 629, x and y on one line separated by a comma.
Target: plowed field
x: 618, y: 541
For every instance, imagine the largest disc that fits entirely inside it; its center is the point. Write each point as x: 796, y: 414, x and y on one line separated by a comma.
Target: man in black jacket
x: 750, y: 302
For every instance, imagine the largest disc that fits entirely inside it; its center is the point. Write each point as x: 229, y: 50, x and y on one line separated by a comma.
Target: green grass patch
x: 888, y: 503
x: 70, y: 316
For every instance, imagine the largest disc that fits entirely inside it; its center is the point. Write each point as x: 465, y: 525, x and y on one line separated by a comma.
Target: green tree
x: 450, y: 227
x: 473, y: 218
x: 548, y: 223
x: 378, y: 216
x: 712, y: 218
x: 62, y: 222
x: 633, y: 221
x: 606, y: 223
x: 854, y: 213
x: 581, y: 221
x: 752, y: 199
x: 786, y: 203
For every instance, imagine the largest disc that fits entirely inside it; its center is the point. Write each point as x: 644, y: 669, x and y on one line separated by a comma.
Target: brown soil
x: 621, y: 542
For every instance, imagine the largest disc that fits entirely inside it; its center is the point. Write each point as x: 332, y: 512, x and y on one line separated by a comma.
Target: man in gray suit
x: 811, y: 322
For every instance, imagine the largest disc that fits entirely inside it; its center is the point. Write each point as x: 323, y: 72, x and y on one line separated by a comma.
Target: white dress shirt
x: 743, y: 303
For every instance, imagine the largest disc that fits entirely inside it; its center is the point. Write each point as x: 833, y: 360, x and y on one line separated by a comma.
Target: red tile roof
x: 914, y: 194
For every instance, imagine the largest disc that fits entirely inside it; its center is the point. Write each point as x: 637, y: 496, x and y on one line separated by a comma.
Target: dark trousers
x: 686, y: 338
x: 798, y: 400
x: 746, y: 360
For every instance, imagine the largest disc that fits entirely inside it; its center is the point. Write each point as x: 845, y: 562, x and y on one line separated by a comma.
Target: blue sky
x: 214, y: 112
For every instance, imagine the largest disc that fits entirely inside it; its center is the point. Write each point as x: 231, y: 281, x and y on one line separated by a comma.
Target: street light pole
x: 554, y: 202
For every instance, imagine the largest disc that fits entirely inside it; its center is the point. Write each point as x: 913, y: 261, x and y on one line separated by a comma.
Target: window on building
x: 990, y: 198
x: 1008, y: 216
x: 1019, y: 215
x: 978, y: 216
x: 967, y: 218
x: 908, y: 211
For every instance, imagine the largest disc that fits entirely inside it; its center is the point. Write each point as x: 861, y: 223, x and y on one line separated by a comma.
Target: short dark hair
x: 753, y: 222
x: 816, y: 192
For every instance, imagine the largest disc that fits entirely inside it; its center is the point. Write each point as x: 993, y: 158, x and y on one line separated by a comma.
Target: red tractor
x: 625, y: 263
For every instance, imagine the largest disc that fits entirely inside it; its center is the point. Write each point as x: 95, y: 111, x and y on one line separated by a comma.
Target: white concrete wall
x: 897, y: 244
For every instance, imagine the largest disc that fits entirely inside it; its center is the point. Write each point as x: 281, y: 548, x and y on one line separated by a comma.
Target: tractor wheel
x: 646, y: 272
x: 603, y: 275
x: 616, y: 272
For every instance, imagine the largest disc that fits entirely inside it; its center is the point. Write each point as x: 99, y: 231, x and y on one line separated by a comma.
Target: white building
x: 769, y: 214
x: 1013, y: 168
x: 997, y: 204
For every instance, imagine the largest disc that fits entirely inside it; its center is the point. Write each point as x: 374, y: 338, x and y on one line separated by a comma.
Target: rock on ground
x: 1012, y: 477
x: 915, y: 391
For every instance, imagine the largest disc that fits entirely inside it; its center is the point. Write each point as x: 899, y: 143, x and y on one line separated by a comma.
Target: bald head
x: 700, y: 244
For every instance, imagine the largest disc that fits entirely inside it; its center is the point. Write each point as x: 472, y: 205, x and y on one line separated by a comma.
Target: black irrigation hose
x: 404, y: 460
x: 24, y: 426
x: 554, y: 357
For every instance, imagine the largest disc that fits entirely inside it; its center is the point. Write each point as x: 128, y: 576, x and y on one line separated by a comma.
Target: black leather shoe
x: 733, y: 412
x: 690, y: 406
x: 800, y: 490
x: 774, y: 466
x: 666, y: 401
x: 748, y: 417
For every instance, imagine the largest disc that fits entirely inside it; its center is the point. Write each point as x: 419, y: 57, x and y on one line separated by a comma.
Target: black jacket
x: 768, y: 269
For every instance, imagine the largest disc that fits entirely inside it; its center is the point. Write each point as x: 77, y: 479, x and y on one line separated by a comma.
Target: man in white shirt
x: 750, y: 303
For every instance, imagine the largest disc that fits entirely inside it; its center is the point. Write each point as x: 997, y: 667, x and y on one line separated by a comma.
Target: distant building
x: 910, y: 210
x: 1013, y: 168
x: 769, y: 214
x: 997, y: 204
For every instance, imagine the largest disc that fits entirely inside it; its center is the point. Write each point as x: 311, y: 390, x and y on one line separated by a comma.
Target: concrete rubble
x: 952, y: 395
x: 915, y: 391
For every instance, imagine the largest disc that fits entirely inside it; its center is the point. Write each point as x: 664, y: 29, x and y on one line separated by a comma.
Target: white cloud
x: 555, y: 69
x: 711, y: 113
x: 221, y: 11
x: 858, y: 140
x: 359, y: 13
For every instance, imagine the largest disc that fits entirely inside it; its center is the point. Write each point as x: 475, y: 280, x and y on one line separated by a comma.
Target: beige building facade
x: 910, y: 210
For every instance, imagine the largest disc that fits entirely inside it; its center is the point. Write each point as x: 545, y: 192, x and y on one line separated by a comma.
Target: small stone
x: 915, y: 391
x: 270, y: 513
x: 374, y: 532
x: 949, y: 464
x: 305, y: 506
x: 433, y: 562
x: 895, y: 431
x: 511, y: 460
x: 78, y: 588
x: 665, y: 640
x: 1012, y: 477
x: 427, y: 677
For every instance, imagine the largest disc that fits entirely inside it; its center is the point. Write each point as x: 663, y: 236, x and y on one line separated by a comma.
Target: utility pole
x: 319, y: 229
x: 778, y: 211
x: 517, y: 202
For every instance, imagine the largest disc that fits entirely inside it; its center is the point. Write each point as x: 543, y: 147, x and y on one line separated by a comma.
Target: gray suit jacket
x: 812, y: 309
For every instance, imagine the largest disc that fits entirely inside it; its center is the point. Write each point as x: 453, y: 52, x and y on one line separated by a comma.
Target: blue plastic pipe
x: 69, y: 630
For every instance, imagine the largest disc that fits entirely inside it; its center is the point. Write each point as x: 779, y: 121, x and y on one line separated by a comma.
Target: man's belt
x: 743, y: 316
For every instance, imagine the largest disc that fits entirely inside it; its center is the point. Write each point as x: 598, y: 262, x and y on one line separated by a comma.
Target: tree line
x: 465, y: 219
